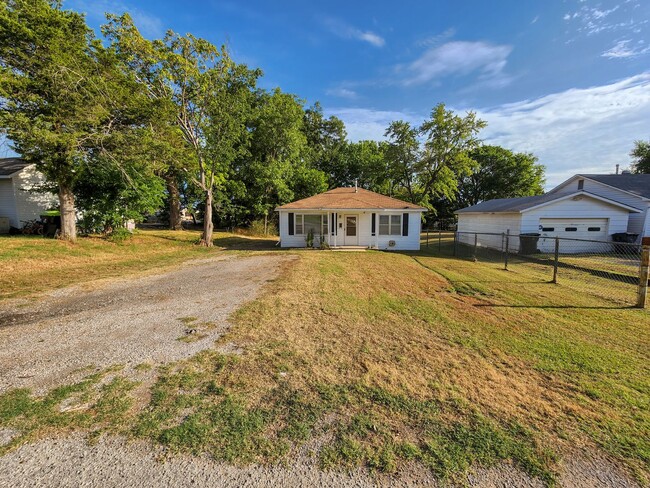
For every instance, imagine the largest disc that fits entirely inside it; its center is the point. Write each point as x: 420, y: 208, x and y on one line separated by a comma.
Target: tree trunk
x: 175, y: 222
x: 68, y: 213
x: 206, y: 238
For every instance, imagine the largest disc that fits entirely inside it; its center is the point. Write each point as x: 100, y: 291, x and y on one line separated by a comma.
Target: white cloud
x: 342, y: 93
x: 534, y: 21
x: 594, y: 20
x: 362, y: 123
x: 457, y: 58
x: 623, y: 49
x: 577, y: 130
x: 346, y: 31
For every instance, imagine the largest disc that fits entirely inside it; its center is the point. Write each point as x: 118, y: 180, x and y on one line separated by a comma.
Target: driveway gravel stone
x: 72, y: 331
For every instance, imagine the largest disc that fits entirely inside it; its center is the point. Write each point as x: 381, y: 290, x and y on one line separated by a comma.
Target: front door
x: 351, y: 231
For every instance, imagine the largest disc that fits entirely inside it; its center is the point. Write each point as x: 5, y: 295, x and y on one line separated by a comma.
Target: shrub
x: 119, y: 234
x: 257, y: 228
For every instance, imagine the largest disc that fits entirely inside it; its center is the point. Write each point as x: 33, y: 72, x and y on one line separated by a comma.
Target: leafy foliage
x: 641, y: 156
x: 501, y: 173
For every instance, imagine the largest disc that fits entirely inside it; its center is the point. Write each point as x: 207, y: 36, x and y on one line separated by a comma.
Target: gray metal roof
x: 639, y: 184
x: 505, y: 205
x: 9, y: 166
x: 510, y: 204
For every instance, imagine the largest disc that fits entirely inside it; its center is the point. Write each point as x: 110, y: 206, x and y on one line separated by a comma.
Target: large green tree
x: 403, y: 155
x: 501, y: 173
x: 448, y: 141
x: 641, y: 157
x: 210, y: 99
x: 62, y: 94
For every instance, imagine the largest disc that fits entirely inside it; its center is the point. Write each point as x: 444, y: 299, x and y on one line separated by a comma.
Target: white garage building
x: 571, y: 215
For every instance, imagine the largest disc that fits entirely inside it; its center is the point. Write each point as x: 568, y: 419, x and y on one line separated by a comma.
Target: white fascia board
x: 588, y: 195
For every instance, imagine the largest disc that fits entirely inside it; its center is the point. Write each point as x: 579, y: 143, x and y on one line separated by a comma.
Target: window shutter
x: 405, y: 224
x: 373, y: 225
x: 333, y: 226
x: 291, y: 222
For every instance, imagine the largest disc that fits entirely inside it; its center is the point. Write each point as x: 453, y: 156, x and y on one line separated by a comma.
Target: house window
x: 570, y: 229
x: 390, y: 225
x: 317, y: 223
x: 593, y: 229
x: 581, y: 184
x: 548, y: 229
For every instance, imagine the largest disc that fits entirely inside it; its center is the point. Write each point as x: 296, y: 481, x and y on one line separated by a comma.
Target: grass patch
x: 382, y: 359
x: 31, y: 264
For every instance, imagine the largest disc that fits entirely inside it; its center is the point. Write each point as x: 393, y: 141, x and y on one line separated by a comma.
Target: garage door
x: 588, y: 229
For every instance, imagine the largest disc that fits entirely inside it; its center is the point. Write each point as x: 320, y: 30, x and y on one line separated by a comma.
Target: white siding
x: 584, y: 208
x: 364, y: 231
x: 635, y: 221
x: 30, y: 205
x: 494, y: 223
x: 8, y: 202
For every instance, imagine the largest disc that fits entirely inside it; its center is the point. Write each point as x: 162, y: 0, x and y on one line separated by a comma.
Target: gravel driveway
x: 112, y: 462
x: 152, y: 319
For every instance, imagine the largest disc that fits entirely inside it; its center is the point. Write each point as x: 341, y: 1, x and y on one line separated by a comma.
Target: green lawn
x: 389, y: 358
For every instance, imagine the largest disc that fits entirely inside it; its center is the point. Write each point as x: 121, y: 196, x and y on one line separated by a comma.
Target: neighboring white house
x: 17, y: 202
x: 351, y: 217
x: 575, y: 214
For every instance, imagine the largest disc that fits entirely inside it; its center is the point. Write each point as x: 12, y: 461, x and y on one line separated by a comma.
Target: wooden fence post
x: 505, y: 258
x: 556, y: 260
x: 427, y: 237
x: 644, y: 273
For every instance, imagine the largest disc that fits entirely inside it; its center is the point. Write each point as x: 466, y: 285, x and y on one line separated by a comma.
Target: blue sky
x: 568, y: 80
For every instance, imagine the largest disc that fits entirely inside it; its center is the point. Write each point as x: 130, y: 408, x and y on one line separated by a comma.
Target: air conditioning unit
x: 391, y: 243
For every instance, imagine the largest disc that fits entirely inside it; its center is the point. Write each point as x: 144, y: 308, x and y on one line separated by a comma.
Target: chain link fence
x: 613, y: 271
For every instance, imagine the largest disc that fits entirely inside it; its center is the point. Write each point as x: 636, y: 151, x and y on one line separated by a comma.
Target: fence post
x: 505, y: 259
x: 556, y: 260
x: 439, y: 240
x: 644, y: 273
x: 475, y: 244
x: 456, y: 243
x: 427, y: 237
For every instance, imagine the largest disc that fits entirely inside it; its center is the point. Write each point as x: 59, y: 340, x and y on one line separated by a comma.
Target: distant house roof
x: 9, y: 166
x: 349, y: 198
x: 518, y: 205
x: 639, y: 184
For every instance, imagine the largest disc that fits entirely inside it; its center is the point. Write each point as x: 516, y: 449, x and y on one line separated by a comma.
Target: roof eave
x: 348, y: 209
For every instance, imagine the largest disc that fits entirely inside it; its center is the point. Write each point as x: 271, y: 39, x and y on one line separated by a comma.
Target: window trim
x: 390, y: 216
x: 323, y: 224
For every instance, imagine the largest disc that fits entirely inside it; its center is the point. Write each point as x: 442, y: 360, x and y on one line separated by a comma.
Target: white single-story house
x: 351, y: 217
x: 586, y: 207
x: 17, y: 202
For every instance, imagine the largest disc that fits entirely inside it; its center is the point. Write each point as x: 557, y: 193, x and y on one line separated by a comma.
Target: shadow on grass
x: 590, y: 307
x: 236, y: 243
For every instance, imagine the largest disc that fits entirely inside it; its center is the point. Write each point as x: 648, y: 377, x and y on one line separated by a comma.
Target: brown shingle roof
x: 349, y: 198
